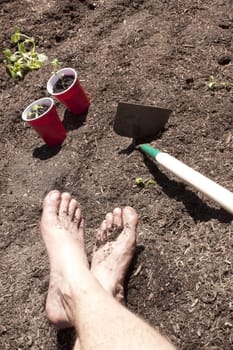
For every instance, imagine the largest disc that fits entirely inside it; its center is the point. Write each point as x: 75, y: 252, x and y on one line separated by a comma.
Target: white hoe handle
x: 210, y: 188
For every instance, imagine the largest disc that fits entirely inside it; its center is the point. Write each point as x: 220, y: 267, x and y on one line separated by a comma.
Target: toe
x: 51, y: 205
x: 130, y: 220
x: 73, y: 205
x: 79, y: 220
x: 109, y: 220
x: 78, y: 216
x: 117, y: 217
x: 102, y: 231
x: 52, y: 202
x: 64, y: 205
x: 130, y: 217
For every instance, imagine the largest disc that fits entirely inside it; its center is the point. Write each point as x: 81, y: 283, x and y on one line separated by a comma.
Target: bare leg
x: 99, y: 319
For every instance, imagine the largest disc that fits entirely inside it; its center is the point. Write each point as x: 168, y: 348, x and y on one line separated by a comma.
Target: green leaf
x: 151, y: 182
x: 224, y: 84
x: 212, y: 85
x: 24, y: 58
x: 34, y: 65
x: 139, y: 181
x: 211, y: 78
x: 19, y: 74
x: 55, y: 63
x: 16, y: 57
x: 15, y: 37
x: 7, y: 53
x: 21, y: 47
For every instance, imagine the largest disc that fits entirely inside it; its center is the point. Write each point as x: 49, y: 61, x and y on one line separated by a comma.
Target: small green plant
x: 56, y: 64
x: 25, y: 57
x: 140, y: 182
x: 143, y: 183
x: 214, y: 84
x: 35, y: 112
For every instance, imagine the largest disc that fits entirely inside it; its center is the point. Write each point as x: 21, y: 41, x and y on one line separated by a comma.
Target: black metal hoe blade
x: 138, y: 121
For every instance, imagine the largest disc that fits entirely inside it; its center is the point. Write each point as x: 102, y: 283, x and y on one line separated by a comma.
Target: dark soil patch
x: 149, y: 52
x: 63, y: 83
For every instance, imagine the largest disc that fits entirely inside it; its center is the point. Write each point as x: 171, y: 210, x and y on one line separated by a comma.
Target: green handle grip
x: 150, y: 151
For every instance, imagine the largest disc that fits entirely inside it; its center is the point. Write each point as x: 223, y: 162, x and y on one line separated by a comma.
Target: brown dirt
x: 145, y: 51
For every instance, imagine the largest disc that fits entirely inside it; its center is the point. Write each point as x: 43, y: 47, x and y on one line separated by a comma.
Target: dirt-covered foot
x: 62, y: 229
x: 111, y: 261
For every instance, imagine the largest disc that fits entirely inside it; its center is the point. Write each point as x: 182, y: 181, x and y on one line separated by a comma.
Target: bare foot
x: 110, y: 262
x: 62, y: 229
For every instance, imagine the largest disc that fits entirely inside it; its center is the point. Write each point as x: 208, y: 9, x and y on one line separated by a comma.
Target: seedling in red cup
x: 42, y: 116
x: 66, y: 88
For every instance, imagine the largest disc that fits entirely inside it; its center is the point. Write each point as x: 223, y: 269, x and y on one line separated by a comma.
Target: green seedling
x: 143, y: 183
x: 24, y: 58
x: 35, y: 112
x: 56, y: 66
x: 151, y: 182
x: 140, y: 182
x: 214, y: 84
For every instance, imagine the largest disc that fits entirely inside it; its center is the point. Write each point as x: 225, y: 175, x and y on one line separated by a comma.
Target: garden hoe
x: 140, y: 122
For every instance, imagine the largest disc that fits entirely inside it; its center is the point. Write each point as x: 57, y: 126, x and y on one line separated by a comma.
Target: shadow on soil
x: 72, y: 122
x: 199, y: 210
x: 45, y: 152
x: 138, y: 251
x: 65, y: 339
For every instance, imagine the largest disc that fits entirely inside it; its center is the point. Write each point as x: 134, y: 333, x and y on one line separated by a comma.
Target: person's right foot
x: 111, y: 261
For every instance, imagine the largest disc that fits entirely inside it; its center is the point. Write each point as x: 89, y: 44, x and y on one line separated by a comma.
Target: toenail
x: 54, y: 195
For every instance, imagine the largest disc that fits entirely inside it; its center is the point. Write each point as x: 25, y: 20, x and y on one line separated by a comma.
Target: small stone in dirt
x: 2, y: 329
x: 92, y: 6
x: 189, y: 81
x: 224, y: 60
x: 224, y: 25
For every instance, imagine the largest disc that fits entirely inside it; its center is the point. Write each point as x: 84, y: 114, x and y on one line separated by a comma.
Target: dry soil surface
x: 158, y: 53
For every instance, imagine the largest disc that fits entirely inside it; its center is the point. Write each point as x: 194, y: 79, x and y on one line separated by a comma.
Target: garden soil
x: 159, y: 53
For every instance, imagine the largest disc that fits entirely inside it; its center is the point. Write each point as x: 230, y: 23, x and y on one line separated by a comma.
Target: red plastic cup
x: 74, y: 97
x: 48, y: 125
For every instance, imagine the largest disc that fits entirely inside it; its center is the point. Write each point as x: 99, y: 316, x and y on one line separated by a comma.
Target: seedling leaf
x: 214, y: 84
x: 7, y: 53
x: 15, y: 37
x: 151, y: 182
